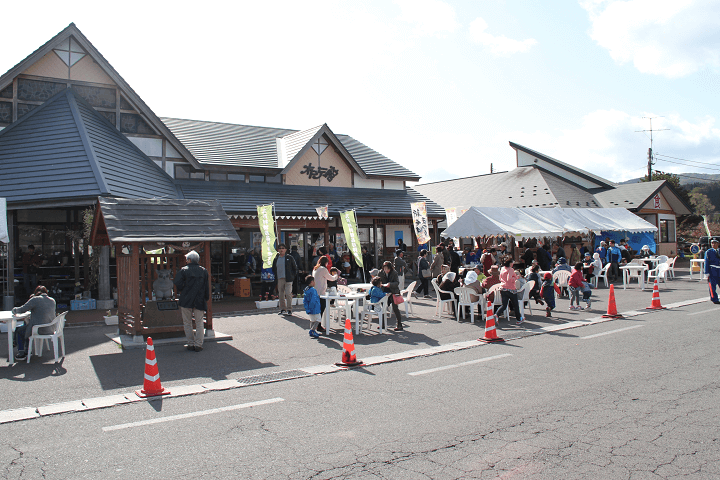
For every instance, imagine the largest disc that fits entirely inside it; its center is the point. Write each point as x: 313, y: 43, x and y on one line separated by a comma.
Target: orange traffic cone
x: 490, y: 330
x: 612, y: 309
x: 655, y: 305
x: 151, y: 386
x: 348, y: 356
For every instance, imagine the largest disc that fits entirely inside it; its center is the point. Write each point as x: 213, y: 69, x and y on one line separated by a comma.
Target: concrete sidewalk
x: 266, y: 343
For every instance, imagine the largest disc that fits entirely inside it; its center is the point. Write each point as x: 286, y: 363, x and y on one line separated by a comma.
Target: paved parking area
x: 268, y: 343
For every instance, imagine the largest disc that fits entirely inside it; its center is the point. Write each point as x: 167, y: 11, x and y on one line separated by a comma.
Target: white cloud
x: 673, y: 38
x: 497, y: 45
x: 430, y: 17
x: 607, y: 143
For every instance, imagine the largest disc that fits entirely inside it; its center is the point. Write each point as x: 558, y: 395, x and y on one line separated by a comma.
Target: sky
x: 440, y: 87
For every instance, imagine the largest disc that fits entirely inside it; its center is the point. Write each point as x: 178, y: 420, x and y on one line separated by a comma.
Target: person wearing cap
x: 561, y: 265
x: 712, y: 269
x: 602, y: 251
x: 588, y: 266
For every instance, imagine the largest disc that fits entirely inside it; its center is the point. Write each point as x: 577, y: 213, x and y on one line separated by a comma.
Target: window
x: 257, y: 178
x: 275, y: 179
x: 221, y: 177
x: 667, y: 231
x: 187, y: 172
x: 236, y: 176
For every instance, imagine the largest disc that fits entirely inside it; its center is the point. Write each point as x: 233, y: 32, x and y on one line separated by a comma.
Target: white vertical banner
x: 420, y: 222
x: 451, y: 215
x: 4, y: 237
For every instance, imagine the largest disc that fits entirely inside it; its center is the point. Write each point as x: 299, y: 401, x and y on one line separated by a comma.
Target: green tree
x: 701, y: 202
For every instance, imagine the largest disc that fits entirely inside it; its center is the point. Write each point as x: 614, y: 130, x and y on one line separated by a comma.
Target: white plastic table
x: 360, y: 286
x: 701, y: 263
x: 342, y: 296
x: 10, y: 322
x: 634, y: 268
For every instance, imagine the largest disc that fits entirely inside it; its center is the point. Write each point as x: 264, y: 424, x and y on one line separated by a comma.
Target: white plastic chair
x: 497, y: 299
x: 671, y: 267
x: 660, y: 273
x: 439, y: 303
x: 465, y: 300
x: 524, y: 301
x: 342, y: 306
x: 58, y: 326
x: 662, y: 259
x: 603, y: 274
x: 407, y: 296
x: 638, y: 275
x: 378, y: 309
x: 561, y: 278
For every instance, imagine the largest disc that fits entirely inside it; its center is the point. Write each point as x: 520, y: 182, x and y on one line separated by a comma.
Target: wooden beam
x: 208, y: 264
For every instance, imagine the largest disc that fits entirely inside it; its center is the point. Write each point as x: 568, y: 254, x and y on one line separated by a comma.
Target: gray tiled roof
x: 296, y: 141
x: 521, y: 187
x: 214, y: 143
x: 65, y: 150
x: 629, y: 195
x: 243, y: 198
x: 568, y: 194
x: 131, y: 220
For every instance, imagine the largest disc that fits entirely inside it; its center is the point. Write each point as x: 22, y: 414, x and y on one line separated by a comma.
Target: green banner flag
x: 267, y: 228
x: 351, y: 235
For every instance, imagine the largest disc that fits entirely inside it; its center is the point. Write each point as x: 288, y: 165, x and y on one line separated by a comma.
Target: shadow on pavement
x: 217, y: 361
x: 21, y: 371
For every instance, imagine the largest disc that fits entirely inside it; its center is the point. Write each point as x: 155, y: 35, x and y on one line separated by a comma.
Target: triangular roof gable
x: 554, y: 164
x: 128, y: 92
x: 73, y: 151
x: 324, y: 130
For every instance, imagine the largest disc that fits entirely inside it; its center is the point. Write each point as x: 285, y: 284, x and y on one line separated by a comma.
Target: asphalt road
x: 635, y: 398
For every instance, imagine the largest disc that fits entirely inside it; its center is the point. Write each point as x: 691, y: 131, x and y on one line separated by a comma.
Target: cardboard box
x: 242, y: 287
x: 87, y: 304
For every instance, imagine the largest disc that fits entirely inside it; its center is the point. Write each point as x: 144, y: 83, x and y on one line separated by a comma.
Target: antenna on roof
x: 650, y: 150
x: 491, y: 168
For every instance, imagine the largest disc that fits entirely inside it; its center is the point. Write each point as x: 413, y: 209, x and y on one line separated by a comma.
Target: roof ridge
x: 294, y: 130
x: 464, y: 178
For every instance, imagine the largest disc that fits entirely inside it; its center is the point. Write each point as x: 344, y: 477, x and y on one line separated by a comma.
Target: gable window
x: 187, y: 172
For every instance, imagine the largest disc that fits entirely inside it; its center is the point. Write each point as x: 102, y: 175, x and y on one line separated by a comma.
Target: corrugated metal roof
x: 629, y: 195
x: 243, y: 198
x: 65, y: 149
x: 521, y: 187
x: 163, y: 220
x: 294, y: 142
x: 214, y: 143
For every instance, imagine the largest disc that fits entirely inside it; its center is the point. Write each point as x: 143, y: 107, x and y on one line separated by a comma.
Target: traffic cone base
x: 612, y: 309
x: 655, y: 305
x: 152, y: 387
x: 348, y: 356
x: 490, y: 330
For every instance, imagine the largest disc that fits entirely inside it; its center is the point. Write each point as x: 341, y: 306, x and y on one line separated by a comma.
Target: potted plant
x: 110, y: 319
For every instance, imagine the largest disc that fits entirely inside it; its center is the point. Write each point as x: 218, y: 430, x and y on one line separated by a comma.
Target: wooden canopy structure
x: 138, y: 228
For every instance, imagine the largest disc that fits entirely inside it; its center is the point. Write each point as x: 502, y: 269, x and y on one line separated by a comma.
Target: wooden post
x: 327, y: 233
x: 9, y: 300
x: 375, y: 243
x: 135, y: 286
x: 226, y: 262
x: 207, y: 261
x: 435, y: 232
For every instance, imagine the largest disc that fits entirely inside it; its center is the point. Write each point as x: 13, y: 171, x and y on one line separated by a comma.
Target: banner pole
x: 277, y: 231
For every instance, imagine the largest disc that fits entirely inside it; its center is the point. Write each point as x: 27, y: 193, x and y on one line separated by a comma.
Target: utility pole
x: 491, y: 168
x: 651, y: 161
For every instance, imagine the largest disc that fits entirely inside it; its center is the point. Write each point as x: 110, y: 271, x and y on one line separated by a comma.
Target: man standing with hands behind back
x: 712, y: 269
x: 192, y: 284
x: 285, y: 271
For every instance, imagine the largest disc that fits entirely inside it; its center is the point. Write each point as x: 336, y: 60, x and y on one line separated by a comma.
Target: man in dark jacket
x: 193, y: 286
x: 300, y: 266
x: 285, y: 271
x: 455, y: 260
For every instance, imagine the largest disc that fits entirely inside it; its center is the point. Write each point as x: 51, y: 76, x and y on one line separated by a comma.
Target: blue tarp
x: 636, y: 242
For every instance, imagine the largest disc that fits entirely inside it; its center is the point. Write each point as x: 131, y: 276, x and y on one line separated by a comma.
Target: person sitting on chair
x: 42, y: 308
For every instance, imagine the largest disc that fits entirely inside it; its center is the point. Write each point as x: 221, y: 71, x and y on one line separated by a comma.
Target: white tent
x: 3, y: 222
x: 544, y: 222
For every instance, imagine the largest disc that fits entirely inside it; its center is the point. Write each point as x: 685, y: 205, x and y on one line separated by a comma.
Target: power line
x: 685, y: 160
x: 695, y: 166
x: 695, y: 178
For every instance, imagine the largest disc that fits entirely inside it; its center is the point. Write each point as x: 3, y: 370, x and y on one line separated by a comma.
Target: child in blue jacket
x: 311, y: 302
x: 376, y: 293
x: 547, y: 291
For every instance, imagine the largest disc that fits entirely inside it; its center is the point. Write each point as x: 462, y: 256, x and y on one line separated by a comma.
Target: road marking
x: 611, y: 331
x: 705, y: 311
x: 471, y: 362
x: 171, y: 418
